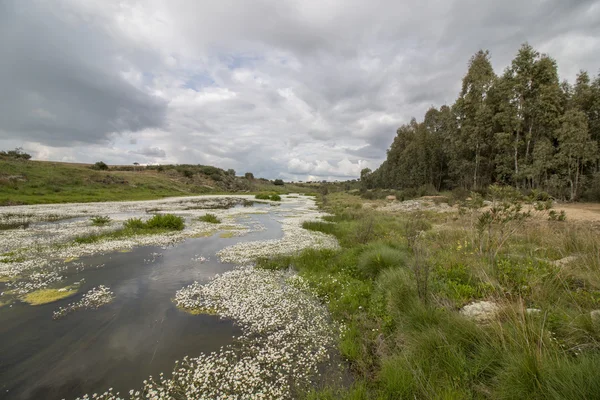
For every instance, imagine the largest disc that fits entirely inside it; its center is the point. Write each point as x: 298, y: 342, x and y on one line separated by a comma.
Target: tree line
x: 524, y: 128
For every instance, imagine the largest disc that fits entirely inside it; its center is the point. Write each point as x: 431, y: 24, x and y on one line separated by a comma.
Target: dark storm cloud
x: 60, y: 83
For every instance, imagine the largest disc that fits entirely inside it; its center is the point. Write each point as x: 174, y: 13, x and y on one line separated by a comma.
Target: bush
x: 211, y: 218
x: 249, y: 176
x: 100, y: 166
x: 166, y: 221
x: 159, y: 221
x: 17, y: 153
x: 278, y: 182
x: 134, y: 223
x: 380, y: 257
x: 275, y: 197
x: 100, y: 220
x: 263, y: 196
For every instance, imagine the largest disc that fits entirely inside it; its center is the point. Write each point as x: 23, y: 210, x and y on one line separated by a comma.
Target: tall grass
x: 400, y: 344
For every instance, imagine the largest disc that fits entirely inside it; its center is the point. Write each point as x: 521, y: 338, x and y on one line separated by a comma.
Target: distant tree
x: 17, y: 153
x: 135, y: 164
x: 575, y: 150
x: 100, y: 165
x: 278, y: 182
x: 249, y: 176
x: 231, y: 172
x: 188, y: 173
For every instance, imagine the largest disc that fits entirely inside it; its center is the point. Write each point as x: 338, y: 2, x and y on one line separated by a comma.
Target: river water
x: 140, y: 334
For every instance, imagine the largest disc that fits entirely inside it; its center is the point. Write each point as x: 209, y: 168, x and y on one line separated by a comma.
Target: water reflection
x: 119, y: 345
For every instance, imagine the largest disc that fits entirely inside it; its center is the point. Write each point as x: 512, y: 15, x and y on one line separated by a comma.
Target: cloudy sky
x: 297, y: 89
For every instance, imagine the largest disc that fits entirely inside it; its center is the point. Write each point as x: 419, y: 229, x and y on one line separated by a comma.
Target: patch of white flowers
x: 295, y: 239
x: 94, y: 298
x: 286, y: 337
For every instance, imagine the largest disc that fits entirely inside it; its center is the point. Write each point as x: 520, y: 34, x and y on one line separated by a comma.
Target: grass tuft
x: 210, y: 218
x: 45, y: 296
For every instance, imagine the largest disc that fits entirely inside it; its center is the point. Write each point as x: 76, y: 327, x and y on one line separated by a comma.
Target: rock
x: 391, y: 197
x: 564, y: 261
x: 481, y: 311
x: 531, y: 311
x: 595, y: 314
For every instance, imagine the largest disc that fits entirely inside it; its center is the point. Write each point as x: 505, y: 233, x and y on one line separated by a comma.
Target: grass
x: 210, y: 218
x: 199, y: 311
x: 268, y: 196
x: 399, y: 280
x: 45, y: 296
x: 42, y: 182
x: 159, y: 223
x: 100, y: 220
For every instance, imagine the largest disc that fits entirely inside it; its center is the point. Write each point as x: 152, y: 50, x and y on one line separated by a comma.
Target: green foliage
x: 100, y: 166
x: 100, y: 220
x: 211, y: 218
x: 134, y: 223
x: 278, y: 182
x: 165, y: 221
x: 18, y: 154
x: 378, y: 257
x: 523, y: 128
x: 268, y: 196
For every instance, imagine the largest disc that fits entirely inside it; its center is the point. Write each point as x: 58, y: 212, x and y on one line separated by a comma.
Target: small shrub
x: 320, y: 226
x: 134, y: 223
x: 555, y: 216
x: 100, y: 166
x: 211, y: 218
x: 380, y: 257
x: 100, y: 220
x: 263, y: 196
x: 275, y: 197
x: 166, y: 221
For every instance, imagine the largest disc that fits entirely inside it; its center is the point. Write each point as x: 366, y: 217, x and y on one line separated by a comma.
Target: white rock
x: 481, y: 311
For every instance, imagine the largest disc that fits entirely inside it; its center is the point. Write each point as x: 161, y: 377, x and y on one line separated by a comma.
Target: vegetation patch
x: 100, y: 220
x: 158, y: 224
x: 45, y: 296
x: 210, y: 218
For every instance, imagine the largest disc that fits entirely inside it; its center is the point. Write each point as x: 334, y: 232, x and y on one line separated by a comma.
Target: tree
x: 575, y: 149
x: 278, y: 182
x: 249, y: 176
x: 100, y: 165
x: 231, y: 172
x: 472, y: 143
x: 18, y: 153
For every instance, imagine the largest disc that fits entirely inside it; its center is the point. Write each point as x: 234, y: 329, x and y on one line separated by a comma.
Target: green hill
x: 40, y: 182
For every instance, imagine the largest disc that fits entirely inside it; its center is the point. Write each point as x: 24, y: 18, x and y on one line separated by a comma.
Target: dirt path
x: 589, y: 212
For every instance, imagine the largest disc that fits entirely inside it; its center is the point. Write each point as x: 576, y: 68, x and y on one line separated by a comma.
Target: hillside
x: 42, y: 182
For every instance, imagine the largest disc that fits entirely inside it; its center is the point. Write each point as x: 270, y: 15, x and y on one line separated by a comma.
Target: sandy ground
x: 588, y: 212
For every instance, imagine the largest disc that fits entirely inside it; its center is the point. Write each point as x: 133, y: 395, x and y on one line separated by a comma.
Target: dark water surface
x: 141, y: 333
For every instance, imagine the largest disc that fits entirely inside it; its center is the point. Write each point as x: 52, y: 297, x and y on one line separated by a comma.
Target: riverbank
x: 458, y: 304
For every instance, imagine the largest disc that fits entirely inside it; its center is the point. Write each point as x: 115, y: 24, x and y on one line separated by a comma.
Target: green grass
x: 407, y: 340
x: 158, y: 224
x: 45, y: 296
x: 210, y: 218
x: 41, y: 182
x: 268, y: 196
x: 100, y: 220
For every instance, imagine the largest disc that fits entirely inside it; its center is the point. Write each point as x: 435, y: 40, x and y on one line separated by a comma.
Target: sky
x: 292, y: 89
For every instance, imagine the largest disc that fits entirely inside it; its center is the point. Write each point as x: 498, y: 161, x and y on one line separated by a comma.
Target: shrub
x: 17, y: 153
x: 134, y: 223
x: 165, y: 221
x: 380, y: 257
x: 100, y: 220
x: 263, y: 196
x: 211, y: 218
x: 100, y: 166
x: 278, y: 182
x: 275, y: 197
x: 249, y: 176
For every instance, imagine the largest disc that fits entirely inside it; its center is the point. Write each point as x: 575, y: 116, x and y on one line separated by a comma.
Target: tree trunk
x: 476, y: 166
x: 516, y: 159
